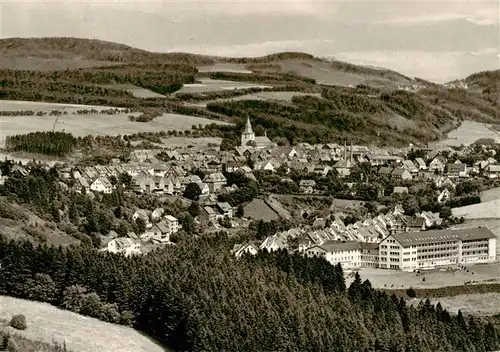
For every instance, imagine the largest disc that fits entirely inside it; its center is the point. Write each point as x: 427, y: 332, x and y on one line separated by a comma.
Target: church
x: 248, y: 138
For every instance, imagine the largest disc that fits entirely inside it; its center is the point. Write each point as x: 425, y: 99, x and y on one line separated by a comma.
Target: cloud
x: 480, y: 13
x: 259, y: 49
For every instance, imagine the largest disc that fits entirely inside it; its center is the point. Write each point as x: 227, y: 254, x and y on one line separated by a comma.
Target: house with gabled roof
x: 273, y: 243
x: 215, y: 181
x: 124, y: 245
x: 437, y: 164
x: 457, y: 170
x: 493, y: 171
x: 102, y: 184
x: 401, y: 174
x: 410, y: 166
x: 246, y: 248
x: 420, y: 163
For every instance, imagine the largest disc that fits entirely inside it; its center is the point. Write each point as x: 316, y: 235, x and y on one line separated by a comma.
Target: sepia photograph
x: 255, y: 176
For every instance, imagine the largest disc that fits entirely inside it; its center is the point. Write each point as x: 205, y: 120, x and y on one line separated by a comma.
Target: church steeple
x: 248, y: 126
x: 247, y: 134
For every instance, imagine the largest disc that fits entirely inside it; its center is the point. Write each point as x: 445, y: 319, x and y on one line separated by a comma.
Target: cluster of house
x: 151, y: 175
x: 159, y: 228
x: 391, y: 241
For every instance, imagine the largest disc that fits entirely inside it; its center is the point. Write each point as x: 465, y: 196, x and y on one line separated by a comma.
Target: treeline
x: 160, y: 79
x: 277, y: 77
x: 48, y: 143
x: 93, y: 49
x: 196, y: 297
x: 17, y: 113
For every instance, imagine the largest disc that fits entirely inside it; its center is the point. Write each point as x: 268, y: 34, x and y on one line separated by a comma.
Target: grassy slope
x: 83, y: 334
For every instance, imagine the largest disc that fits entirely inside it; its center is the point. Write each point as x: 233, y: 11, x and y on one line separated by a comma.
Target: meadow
x: 224, y: 67
x: 477, y: 304
x: 212, y: 85
x: 91, y: 124
x: 468, y: 133
x: 83, y: 334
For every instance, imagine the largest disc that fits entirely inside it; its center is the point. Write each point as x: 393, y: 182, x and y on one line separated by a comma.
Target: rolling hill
x: 364, y: 104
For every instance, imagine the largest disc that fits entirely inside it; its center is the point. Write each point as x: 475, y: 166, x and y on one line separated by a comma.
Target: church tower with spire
x: 247, y: 134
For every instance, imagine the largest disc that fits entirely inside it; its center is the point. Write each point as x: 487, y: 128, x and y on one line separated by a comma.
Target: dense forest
x: 196, y: 297
x: 48, y: 143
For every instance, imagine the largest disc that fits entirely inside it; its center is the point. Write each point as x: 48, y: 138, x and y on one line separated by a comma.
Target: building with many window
x: 430, y: 249
x: 348, y: 254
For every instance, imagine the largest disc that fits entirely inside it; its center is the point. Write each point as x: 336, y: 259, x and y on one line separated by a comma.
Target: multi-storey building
x: 430, y: 249
x: 348, y: 254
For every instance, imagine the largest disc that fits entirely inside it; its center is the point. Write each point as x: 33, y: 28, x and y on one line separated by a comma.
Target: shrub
x: 18, y: 322
x: 411, y: 292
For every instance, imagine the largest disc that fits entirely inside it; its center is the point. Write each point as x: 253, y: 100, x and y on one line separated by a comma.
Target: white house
x: 420, y: 163
x: 493, y: 171
x: 124, y: 245
x: 438, y: 163
x: 246, y: 248
x: 102, y: 184
x: 348, y: 254
x: 157, y: 213
x: 158, y: 232
x: 203, y: 187
x: 172, y: 224
x: 273, y: 243
x: 444, y: 196
x: 144, y: 215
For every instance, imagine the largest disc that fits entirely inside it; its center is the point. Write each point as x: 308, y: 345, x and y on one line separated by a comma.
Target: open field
x: 201, y: 143
x: 326, y: 72
x: 395, y: 279
x: 213, y: 85
x: 83, y: 125
x: 224, y: 67
x: 82, y: 334
x: 477, y: 304
x: 137, y: 92
x: 17, y: 105
x: 468, y: 133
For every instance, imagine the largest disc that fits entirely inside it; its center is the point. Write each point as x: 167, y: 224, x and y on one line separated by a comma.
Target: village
x: 231, y: 189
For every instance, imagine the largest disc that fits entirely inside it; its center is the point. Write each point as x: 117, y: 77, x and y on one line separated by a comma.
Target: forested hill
x: 364, y: 104
x: 195, y: 296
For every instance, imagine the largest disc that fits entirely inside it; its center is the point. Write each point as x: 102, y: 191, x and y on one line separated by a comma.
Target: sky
x: 435, y: 40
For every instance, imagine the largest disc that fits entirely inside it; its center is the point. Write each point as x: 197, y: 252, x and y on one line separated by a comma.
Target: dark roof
x: 338, y: 246
x: 369, y: 245
x: 417, y: 222
x: 456, y: 167
x: 385, y: 170
x: 399, y: 171
x: 412, y: 238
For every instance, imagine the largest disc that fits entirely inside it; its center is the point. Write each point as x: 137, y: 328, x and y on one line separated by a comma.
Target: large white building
x: 412, y: 250
x: 348, y: 254
x: 429, y: 249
